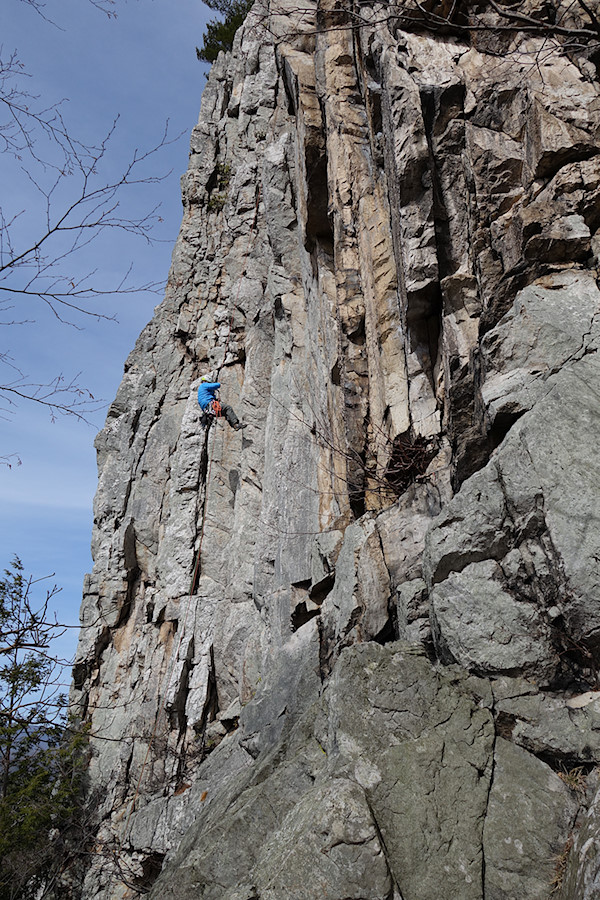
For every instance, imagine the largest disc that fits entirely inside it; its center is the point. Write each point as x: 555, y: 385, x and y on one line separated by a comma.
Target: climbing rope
x: 194, y: 581
x: 243, y: 275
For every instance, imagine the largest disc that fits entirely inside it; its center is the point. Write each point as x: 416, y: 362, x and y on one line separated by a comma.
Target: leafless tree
x: 43, y: 245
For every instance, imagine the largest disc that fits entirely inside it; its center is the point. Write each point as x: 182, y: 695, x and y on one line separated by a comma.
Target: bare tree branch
x: 44, y: 247
x: 459, y: 18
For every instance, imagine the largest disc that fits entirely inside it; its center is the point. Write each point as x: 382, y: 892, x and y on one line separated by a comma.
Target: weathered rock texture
x: 350, y: 651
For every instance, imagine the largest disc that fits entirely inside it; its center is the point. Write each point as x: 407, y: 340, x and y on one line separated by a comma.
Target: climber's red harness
x: 215, y: 409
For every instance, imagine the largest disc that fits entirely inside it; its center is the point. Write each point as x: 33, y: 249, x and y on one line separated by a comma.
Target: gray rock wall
x: 350, y: 651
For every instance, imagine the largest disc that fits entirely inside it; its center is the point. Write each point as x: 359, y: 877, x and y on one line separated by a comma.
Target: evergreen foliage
x: 41, y: 762
x: 220, y: 33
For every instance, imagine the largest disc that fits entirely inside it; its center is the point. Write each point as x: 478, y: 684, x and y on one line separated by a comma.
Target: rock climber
x: 212, y: 407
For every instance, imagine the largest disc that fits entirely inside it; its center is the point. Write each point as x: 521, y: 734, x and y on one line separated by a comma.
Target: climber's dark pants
x: 226, y: 412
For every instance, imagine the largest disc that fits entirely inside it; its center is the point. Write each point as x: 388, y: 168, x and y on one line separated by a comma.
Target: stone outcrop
x: 351, y: 650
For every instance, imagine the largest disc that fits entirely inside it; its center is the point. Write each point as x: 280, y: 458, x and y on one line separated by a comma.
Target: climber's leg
x: 228, y: 413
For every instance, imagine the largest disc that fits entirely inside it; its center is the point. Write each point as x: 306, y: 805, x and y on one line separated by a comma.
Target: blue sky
x: 143, y: 67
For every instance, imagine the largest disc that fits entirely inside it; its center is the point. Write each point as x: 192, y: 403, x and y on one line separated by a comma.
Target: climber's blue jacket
x: 206, y: 393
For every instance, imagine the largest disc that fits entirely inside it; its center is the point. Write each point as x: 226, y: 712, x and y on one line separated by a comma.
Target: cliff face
x: 350, y: 650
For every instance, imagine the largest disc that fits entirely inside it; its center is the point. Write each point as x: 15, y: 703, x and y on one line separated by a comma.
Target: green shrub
x: 216, y: 202
x: 220, y: 181
x: 42, y: 757
x: 41, y: 812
